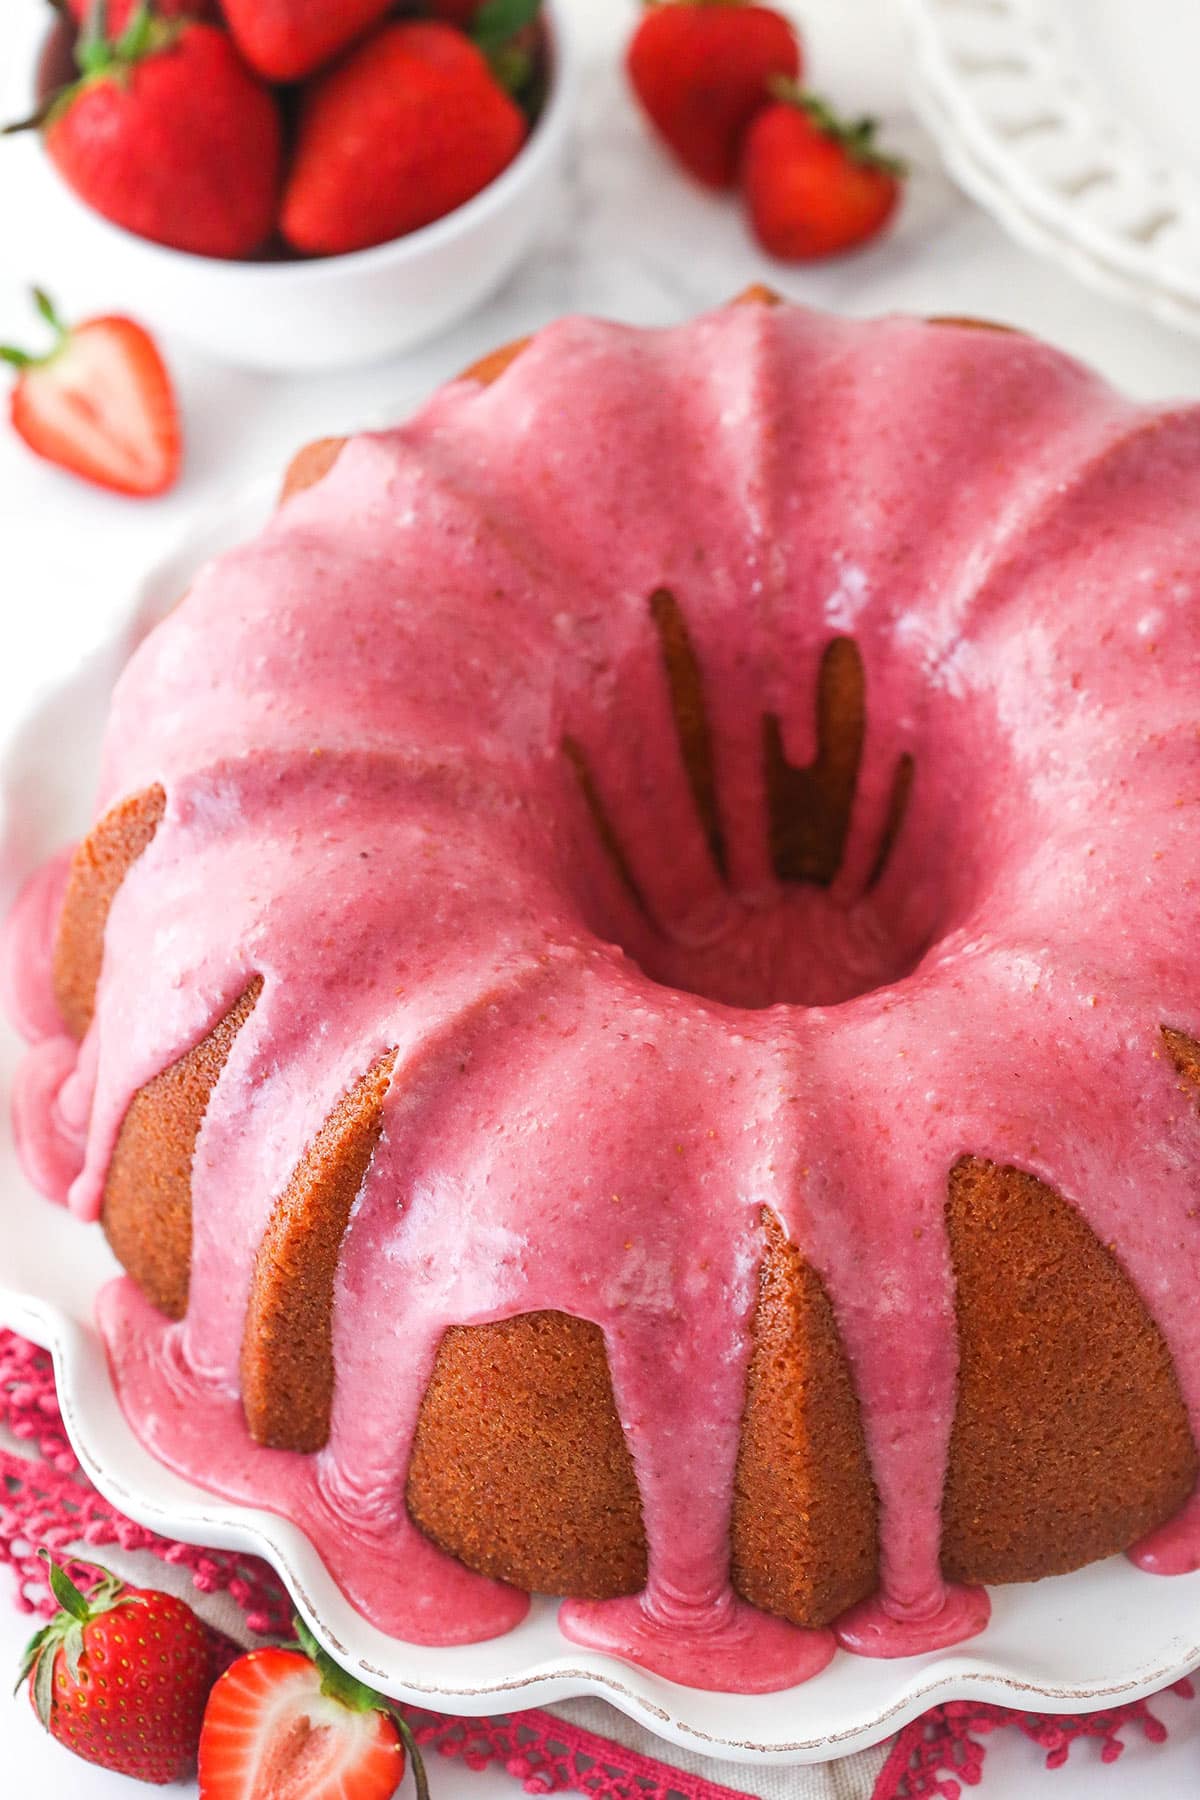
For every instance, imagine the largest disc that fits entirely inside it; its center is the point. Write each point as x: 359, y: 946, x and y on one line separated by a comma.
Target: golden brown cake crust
x: 287, y: 1346
x: 520, y: 1467
x: 685, y: 682
x: 606, y: 831
x: 1070, y: 1439
x: 147, y: 1206
x: 1184, y: 1052
x: 804, y: 1535
x: 758, y: 295
x: 98, y: 868
x: 309, y: 464
x: 902, y: 783
x: 966, y: 322
x: 810, y: 808
x: 489, y: 368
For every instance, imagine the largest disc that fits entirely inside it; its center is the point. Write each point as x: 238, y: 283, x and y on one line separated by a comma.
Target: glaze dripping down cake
x: 630, y: 1008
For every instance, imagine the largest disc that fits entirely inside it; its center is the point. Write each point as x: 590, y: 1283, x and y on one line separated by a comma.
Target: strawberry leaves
x: 496, y: 29
x: 856, y: 136
x: 356, y: 1696
x: 24, y: 359
x: 65, y: 1630
x: 97, y: 54
x: 498, y: 21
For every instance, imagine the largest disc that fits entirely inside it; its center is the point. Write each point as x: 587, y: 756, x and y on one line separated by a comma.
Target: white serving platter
x: 1082, y: 1641
x: 1073, y: 122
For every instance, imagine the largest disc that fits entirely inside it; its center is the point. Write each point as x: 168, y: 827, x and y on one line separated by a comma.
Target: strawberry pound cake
x: 631, y: 1006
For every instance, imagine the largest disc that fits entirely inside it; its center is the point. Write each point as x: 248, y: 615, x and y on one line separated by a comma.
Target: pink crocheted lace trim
x: 941, y: 1752
x: 931, y: 1759
x: 45, y: 1499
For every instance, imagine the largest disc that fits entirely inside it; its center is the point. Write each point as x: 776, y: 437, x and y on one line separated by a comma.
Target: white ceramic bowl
x: 322, y: 314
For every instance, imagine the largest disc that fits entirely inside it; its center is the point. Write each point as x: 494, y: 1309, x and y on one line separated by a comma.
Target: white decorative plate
x: 1080, y: 1641
x: 1075, y: 123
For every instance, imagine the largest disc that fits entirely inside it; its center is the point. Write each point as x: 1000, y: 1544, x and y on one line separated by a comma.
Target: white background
x: 633, y: 240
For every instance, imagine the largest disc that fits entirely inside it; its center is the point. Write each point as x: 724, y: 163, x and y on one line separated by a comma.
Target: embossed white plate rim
x: 965, y: 106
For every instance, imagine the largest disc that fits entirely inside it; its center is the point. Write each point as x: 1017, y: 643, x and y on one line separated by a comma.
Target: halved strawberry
x: 291, y: 1722
x: 99, y: 403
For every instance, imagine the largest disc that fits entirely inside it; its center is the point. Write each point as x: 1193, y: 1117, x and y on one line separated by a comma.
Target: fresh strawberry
x: 121, y: 1677
x: 700, y: 69
x: 100, y: 403
x: 406, y: 127
x: 168, y: 134
x: 815, y: 185
x: 287, y: 39
x: 291, y: 1722
x: 121, y: 11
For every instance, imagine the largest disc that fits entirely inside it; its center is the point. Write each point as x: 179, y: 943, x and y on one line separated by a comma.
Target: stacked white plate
x: 1075, y: 123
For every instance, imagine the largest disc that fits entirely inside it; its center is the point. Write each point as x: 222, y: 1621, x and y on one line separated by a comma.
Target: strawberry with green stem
x: 411, y: 123
x: 120, y: 1676
x: 289, y: 1720
x: 815, y: 184
x: 167, y: 133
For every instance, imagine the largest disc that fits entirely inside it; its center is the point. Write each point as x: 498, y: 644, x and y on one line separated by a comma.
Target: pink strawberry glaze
x: 394, y: 1573
x: 722, y: 1643
x: 27, y: 949
x: 52, y: 1145
x: 357, y: 720
x: 877, y: 1628
x: 1174, y: 1549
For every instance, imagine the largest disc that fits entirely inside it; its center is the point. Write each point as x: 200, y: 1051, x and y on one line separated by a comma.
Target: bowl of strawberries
x: 291, y: 184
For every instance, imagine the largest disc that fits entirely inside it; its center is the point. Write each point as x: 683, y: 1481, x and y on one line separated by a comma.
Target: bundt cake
x: 631, y: 1008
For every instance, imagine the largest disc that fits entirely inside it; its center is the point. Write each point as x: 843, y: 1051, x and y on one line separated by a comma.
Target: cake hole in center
x: 851, y: 910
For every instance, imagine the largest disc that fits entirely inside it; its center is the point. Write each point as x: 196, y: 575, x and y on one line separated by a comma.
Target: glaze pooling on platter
x: 600, y: 1081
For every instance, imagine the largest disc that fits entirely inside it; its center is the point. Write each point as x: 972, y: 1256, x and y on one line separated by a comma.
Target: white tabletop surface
x: 633, y: 240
